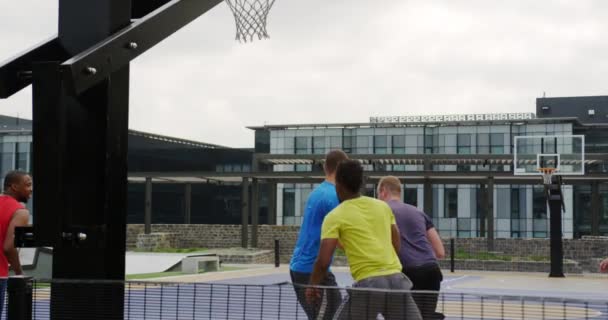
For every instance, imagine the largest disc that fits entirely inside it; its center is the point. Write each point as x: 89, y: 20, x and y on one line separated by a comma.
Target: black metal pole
x: 490, y: 214
x: 19, y: 298
x: 244, y: 212
x: 148, y: 206
x: 277, y: 255
x: 255, y: 212
x: 555, y: 200
x: 452, y: 255
x: 80, y: 129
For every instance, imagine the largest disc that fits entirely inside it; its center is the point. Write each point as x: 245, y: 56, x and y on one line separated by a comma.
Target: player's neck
x: 394, y: 198
x: 8, y: 194
x: 330, y: 179
x: 351, y: 196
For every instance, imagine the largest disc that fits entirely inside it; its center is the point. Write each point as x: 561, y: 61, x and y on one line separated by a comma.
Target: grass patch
x: 231, y: 268
x: 173, y: 250
x: 462, y: 255
x: 142, y: 276
x: 41, y: 285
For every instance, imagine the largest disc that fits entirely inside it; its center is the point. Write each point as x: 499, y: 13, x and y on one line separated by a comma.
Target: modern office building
x: 172, y: 201
x: 458, y: 168
x: 452, y: 145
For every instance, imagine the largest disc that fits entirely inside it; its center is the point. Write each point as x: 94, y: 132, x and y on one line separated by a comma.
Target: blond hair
x: 390, y: 183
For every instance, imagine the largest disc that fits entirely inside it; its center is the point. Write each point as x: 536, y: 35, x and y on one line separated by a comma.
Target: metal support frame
x: 483, y: 205
x: 490, y: 213
x: 555, y: 199
x: 188, y: 203
x: 272, y: 203
x: 244, y: 212
x: 20, y: 294
x: 428, y: 197
x: 595, y: 208
x: 255, y: 212
x: 80, y: 124
x: 148, y: 207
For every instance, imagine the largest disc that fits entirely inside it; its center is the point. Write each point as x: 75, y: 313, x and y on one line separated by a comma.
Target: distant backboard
x: 566, y: 153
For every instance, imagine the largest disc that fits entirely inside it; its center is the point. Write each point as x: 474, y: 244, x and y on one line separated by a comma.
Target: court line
x: 454, y: 279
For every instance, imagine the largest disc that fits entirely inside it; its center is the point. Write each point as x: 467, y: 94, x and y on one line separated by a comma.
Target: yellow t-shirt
x: 363, y: 226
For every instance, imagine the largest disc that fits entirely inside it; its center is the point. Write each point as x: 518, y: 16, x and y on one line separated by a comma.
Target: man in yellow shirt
x: 366, y: 229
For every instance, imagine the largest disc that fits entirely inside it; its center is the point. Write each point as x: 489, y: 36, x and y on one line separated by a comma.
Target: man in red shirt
x: 17, y: 191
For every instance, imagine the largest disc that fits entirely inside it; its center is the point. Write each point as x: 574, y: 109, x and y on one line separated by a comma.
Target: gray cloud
x: 343, y: 61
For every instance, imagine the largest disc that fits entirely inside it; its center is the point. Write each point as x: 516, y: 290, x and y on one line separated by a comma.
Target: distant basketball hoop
x: 547, y: 173
x: 250, y: 17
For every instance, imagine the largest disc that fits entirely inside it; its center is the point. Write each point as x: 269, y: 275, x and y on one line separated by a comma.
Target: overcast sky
x: 346, y: 60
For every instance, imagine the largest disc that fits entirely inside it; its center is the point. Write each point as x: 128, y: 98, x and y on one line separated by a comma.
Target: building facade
x: 208, y: 202
x: 519, y: 210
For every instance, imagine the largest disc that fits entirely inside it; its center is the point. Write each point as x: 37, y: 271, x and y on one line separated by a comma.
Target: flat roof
x: 445, y: 177
x: 412, y: 124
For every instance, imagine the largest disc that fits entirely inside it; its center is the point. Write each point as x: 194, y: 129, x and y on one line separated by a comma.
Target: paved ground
x: 501, y: 283
x: 264, y: 292
x: 466, y: 294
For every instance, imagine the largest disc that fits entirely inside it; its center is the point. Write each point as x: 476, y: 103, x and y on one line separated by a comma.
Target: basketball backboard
x: 565, y: 153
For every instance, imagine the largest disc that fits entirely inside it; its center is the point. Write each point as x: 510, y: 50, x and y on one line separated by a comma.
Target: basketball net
x: 250, y: 17
x: 547, y: 173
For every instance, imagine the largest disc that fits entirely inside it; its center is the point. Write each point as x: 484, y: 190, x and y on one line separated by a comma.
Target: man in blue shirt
x: 320, y: 202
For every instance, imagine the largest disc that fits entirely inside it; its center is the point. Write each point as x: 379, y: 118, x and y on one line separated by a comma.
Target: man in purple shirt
x: 421, y: 246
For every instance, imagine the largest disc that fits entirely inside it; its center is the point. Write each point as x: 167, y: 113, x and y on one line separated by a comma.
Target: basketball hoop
x: 250, y: 18
x: 547, y: 174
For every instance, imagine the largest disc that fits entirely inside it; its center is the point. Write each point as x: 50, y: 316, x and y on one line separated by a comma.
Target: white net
x: 250, y: 17
x: 547, y: 174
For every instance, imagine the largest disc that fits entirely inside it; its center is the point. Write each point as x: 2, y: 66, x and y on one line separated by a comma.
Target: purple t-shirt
x: 416, y: 250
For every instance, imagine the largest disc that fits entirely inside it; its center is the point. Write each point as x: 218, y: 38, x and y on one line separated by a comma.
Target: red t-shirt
x: 8, y: 206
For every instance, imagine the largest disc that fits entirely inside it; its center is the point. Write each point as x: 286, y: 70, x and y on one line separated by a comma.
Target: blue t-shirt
x: 321, y: 201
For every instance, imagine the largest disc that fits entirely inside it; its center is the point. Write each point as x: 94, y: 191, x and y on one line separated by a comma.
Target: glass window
x: 301, y: 144
x: 303, y: 167
x: 514, y: 203
x: 451, y: 202
x: 428, y: 143
x: 549, y: 146
x: 410, y: 196
x: 289, y: 202
x: 335, y: 143
x: 318, y: 145
x: 483, y: 143
x: 347, y: 144
x: 380, y: 144
x: 463, y: 167
x: 362, y: 145
x: 398, y: 144
x: 497, y: 142
x: 464, y: 143
x: 539, y: 203
x: 8, y: 157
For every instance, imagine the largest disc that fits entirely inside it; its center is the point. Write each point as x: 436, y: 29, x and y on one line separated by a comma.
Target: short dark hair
x: 13, y: 177
x: 349, y: 175
x: 332, y: 159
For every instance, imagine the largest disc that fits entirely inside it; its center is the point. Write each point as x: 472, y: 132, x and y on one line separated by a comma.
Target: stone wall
x: 221, y: 236
x: 570, y: 267
x: 157, y: 240
x: 585, y: 252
